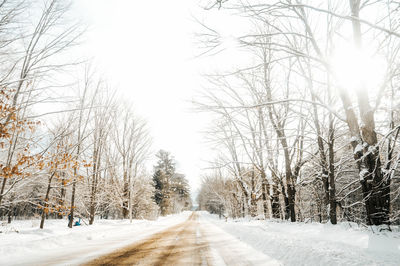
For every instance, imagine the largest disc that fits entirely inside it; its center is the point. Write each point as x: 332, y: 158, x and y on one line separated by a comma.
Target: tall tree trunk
x: 253, y: 197
x: 265, y: 195
x: 125, y: 191
x: 291, y: 192
x: 71, y: 213
x: 9, y: 219
x: 332, y: 186
x: 125, y: 202
x: 78, y: 151
x: 286, y: 202
x: 243, y: 207
x: 92, y: 207
x: 62, y: 195
x: 46, y: 202
x: 375, y: 187
x: 276, y: 208
x: 253, y: 205
x: 321, y: 149
x: 92, y: 204
x: 3, y: 185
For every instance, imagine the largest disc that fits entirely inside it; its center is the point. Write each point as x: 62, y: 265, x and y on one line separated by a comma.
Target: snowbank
x: 23, y: 243
x: 314, y: 243
x: 225, y: 249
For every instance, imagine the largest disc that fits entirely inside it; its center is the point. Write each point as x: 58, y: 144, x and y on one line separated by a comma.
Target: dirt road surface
x: 185, y: 239
x: 177, y: 245
x: 193, y: 242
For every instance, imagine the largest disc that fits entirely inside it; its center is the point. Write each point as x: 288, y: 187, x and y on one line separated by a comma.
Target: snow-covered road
x: 23, y: 243
x: 195, y: 239
x: 193, y: 242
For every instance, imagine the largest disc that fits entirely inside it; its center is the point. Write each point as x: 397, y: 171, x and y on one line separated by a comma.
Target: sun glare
x: 357, y: 69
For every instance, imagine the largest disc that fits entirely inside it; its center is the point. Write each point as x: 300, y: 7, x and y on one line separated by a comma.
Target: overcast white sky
x: 147, y: 49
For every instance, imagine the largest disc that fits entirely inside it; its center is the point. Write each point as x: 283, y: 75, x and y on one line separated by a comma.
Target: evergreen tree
x: 171, y: 192
x: 180, y: 188
x: 158, y: 185
x: 166, y: 168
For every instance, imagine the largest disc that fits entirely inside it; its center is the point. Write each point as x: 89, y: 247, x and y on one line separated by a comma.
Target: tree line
x: 69, y: 147
x: 295, y: 140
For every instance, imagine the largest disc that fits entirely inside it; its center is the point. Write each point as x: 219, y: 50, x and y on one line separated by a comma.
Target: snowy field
x: 229, y: 243
x: 315, y: 243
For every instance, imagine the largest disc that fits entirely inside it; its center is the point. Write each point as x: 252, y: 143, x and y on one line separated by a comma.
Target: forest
x: 200, y: 132
x: 305, y: 129
x: 308, y: 129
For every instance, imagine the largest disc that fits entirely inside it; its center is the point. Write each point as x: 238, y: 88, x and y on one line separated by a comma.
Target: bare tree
x: 132, y: 141
x: 301, y: 36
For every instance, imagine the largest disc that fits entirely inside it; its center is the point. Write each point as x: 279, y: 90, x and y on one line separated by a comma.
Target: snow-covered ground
x: 225, y: 249
x: 235, y: 242
x: 314, y: 243
x: 23, y: 243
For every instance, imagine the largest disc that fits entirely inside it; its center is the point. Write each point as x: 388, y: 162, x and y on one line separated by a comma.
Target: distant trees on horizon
x: 172, y: 192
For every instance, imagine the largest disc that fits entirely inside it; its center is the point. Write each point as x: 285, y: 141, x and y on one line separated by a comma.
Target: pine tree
x: 171, y: 189
x: 166, y: 168
x: 181, y: 191
x: 158, y: 185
